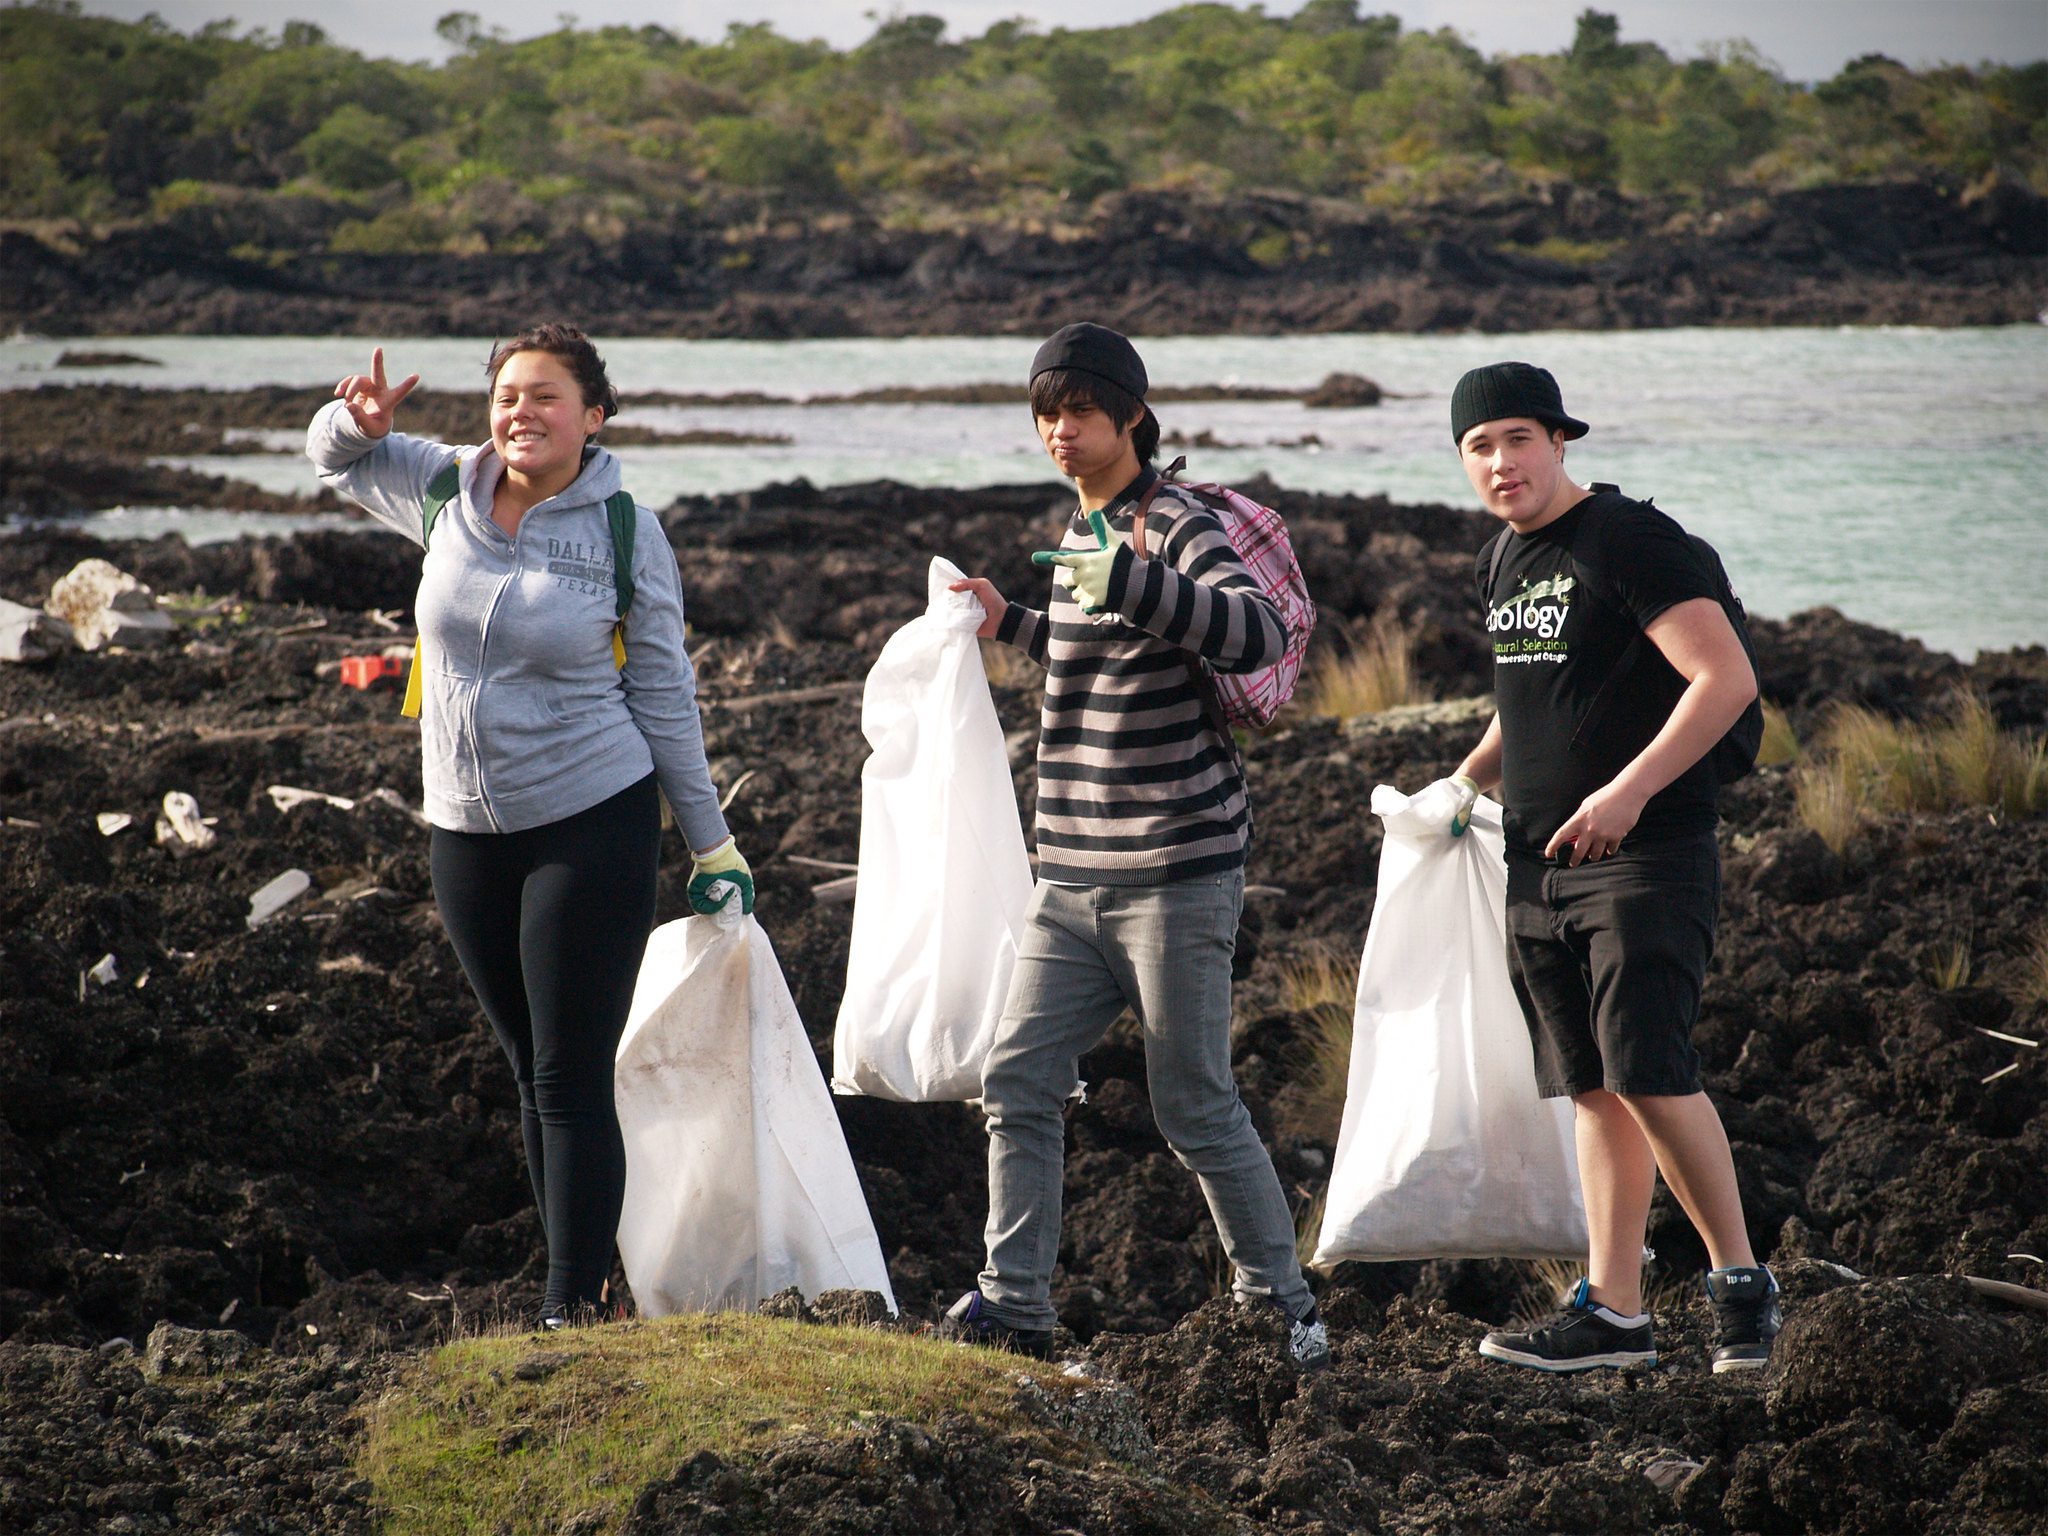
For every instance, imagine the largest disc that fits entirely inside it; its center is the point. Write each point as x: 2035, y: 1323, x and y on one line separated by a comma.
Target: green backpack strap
x: 624, y: 517
x: 441, y: 490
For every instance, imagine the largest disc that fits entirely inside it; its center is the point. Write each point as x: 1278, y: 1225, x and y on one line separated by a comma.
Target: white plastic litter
x: 105, y: 973
x: 110, y: 822
x: 271, y: 899
x: 1446, y: 1151
x: 944, y: 880
x: 738, y: 1181
x: 181, y: 825
x: 30, y: 634
x: 286, y: 798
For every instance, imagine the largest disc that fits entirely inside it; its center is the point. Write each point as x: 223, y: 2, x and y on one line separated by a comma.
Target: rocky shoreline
x: 1908, y: 253
x: 303, y: 1134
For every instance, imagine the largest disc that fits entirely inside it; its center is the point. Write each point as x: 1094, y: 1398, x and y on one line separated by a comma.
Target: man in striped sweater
x: 1143, y: 825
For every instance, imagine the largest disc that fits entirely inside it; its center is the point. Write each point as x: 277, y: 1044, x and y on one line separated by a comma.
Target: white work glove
x: 1455, y: 795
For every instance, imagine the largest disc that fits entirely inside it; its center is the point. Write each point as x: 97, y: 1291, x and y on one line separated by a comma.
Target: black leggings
x: 550, y: 925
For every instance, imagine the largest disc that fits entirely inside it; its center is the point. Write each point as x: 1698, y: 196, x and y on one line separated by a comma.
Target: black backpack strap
x: 1500, y: 555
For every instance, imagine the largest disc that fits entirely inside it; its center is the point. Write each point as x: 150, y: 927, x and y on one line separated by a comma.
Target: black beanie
x: 1091, y: 348
x: 1501, y: 390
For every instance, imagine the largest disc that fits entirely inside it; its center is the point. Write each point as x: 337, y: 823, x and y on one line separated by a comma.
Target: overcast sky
x: 1807, y: 39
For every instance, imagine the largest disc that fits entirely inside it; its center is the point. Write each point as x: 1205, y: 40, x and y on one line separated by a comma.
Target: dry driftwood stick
x: 214, y: 736
x: 790, y: 696
x: 733, y: 793
x: 835, y: 893
x: 2005, y: 1290
x: 807, y: 862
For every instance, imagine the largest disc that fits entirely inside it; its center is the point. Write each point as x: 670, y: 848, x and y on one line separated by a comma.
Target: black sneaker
x: 1308, y: 1342
x: 968, y: 1321
x: 557, y: 1315
x: 1746, y: 1306
x: 1575, y: 1338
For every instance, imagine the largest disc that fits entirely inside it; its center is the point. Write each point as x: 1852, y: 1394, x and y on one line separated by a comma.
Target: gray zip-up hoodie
x: 524, y: 719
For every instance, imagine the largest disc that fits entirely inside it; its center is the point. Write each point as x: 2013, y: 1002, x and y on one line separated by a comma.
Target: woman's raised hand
x: 369, y: 399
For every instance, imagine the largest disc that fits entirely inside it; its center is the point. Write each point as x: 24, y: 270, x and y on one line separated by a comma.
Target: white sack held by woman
x: 738, y: 1181
x: 943, y: 875
x: 1446, y: 1151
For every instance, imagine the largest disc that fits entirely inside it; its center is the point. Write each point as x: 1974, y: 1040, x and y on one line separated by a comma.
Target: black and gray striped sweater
x: 1135, y: 785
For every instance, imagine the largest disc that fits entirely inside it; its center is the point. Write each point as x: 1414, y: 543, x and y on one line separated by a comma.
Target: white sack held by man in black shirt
x: 1600, y: 745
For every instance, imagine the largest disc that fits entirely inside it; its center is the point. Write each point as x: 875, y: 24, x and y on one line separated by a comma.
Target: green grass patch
x: 1570, y: 253
x: 522, y: 1432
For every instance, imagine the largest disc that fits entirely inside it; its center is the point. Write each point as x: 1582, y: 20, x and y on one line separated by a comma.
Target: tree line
x: 606, y: 128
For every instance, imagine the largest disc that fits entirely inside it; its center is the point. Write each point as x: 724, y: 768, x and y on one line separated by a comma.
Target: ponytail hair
x: 1145, y: 437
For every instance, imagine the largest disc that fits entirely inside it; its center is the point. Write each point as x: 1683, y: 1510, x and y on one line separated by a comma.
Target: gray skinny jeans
x: 1086, y: 952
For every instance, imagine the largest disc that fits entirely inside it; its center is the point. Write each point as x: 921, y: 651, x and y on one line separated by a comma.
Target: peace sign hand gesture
x: 370, y: 400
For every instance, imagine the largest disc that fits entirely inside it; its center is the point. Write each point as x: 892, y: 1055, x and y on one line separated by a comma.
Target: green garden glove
x: 1091, y: 568
x: 715, y: 875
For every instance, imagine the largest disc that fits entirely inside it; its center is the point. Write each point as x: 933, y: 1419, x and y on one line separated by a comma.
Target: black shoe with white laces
x: 1580, y: 1336
x: 1746, y: 1312
x: 968, y: 1321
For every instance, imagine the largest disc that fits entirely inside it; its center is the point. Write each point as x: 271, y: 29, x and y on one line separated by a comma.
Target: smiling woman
x: 549, y: 398
x: 545, y: 733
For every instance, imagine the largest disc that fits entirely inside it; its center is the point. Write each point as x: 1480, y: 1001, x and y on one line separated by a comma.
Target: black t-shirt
x: 1569, y: 599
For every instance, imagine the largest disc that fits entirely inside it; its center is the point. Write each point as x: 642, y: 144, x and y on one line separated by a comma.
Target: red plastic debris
x: 368, y: 671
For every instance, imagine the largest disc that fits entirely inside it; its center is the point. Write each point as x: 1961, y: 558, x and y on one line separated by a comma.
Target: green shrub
x: 350, y: 151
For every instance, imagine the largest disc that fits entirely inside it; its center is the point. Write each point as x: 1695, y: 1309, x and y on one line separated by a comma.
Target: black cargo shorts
x: 1608, y: 960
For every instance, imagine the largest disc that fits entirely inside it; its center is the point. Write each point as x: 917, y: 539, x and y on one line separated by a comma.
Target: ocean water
x: 1896, y: 474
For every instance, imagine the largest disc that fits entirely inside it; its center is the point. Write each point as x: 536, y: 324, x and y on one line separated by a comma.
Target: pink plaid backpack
x: 1259, y: 535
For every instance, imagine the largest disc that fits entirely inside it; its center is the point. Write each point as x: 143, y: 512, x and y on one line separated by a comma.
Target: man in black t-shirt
x: 1613, y: 872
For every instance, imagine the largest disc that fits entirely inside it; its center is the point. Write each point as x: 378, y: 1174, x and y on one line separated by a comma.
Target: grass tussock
x: 2031, y: 985
x: 1780, y: 746
x: 518, y: 1432
x: 1868, y: 765
x: 1375, y: 673
x: 1825, y: 801
x: 1323, y: 985
x: 1949, y: 965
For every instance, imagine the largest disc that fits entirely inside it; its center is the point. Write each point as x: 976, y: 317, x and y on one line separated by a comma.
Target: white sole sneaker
x: 1620, y: 1360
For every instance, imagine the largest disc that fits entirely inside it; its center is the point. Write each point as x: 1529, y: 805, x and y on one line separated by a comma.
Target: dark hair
x: 1060, y: 387
x: 575, y: 351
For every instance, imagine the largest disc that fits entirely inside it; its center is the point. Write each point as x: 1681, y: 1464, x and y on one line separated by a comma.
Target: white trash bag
x: 1446, y: 1151
x: 944, y: 879
x: 738, y: 1181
